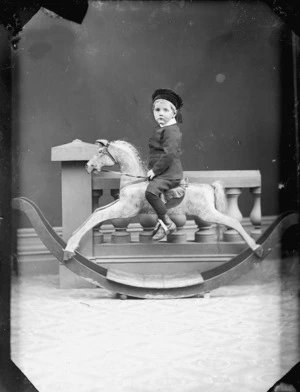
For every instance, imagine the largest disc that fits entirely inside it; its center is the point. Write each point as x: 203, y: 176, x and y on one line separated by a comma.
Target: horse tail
x: 220, y: 202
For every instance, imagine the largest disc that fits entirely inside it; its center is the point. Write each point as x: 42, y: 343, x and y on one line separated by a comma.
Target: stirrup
x: 156, y: 228
x: 164, y: 226
x: 164, y: 230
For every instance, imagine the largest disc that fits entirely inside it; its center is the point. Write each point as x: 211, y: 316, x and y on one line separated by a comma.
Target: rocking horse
x: 202, y: 200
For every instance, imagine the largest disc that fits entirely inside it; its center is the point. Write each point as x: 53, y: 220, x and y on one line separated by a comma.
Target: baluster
x: 206, y: 232
x: 255, y: 215
x: 233, y: 211
x: 121, y: 235
x: 96, y: 195
x: 106, y: 197
x: 148, y: 222
x: 179, y: 236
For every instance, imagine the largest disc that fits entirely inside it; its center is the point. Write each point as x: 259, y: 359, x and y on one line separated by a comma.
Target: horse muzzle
x: 89, y: 168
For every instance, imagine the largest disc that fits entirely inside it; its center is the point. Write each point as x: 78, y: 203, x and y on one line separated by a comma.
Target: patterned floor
x: 243, y: 338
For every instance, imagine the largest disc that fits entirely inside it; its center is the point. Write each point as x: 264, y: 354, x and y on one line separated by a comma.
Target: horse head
x: 102, y: 158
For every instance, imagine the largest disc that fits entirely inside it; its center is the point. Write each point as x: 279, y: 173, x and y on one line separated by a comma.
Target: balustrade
x: 206, y: 232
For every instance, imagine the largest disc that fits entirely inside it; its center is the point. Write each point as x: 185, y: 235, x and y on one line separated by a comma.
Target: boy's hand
x: 150, y: 174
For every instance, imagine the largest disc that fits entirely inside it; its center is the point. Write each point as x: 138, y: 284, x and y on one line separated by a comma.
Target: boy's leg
x: 156, y: 203
x: 152, y: 194
x: 164, y: 225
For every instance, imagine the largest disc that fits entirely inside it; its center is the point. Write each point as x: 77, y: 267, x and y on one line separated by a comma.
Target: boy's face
x: 163, y: 111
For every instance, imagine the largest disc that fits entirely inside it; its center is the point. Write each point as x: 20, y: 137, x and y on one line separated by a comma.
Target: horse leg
x: 117, y: 209
x: 215, y: 216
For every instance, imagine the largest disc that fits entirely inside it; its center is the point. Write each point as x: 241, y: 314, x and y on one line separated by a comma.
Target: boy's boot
x: 164, y: 226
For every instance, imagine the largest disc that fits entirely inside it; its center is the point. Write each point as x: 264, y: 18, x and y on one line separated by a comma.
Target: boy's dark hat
x: 169, y: 95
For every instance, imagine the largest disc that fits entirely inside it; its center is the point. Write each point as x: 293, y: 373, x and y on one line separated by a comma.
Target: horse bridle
x: 105, y: 151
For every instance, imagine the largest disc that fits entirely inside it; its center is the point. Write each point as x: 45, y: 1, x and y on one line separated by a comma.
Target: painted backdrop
x: 95, y: 80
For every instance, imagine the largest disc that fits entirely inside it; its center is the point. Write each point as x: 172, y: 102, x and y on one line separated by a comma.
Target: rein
x: 139, y: 178
x: 134, y: 182
x: 124, y: 174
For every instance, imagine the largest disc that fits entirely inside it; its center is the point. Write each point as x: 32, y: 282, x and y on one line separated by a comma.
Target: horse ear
x: 102, y: 142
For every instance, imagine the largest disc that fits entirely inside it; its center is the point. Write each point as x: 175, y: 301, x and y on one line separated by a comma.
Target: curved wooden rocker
x: 154, y: 286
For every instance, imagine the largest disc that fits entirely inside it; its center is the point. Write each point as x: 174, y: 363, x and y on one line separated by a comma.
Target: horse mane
x: 131, y: 149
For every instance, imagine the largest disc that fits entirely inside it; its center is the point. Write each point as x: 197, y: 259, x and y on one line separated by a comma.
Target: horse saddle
x: 174, y: 196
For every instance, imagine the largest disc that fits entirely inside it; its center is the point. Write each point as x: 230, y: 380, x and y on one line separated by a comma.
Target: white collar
x: 171, y: 122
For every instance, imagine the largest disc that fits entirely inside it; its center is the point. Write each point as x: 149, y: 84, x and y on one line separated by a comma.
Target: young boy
x: 164, y: 151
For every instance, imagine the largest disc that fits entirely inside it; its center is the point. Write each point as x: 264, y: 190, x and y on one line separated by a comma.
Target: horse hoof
x: 68, y: 254
x: 258, y: 251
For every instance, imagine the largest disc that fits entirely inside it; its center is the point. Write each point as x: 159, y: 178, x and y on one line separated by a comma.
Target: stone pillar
x: 179, y: 236
x: 121, y: 235
x: 233, y: 210
x: 205, y: 233
x: 148, y: 222
x: 255, y: 215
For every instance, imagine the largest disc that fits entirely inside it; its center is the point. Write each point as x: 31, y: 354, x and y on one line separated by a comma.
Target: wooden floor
x: 244, y: 337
